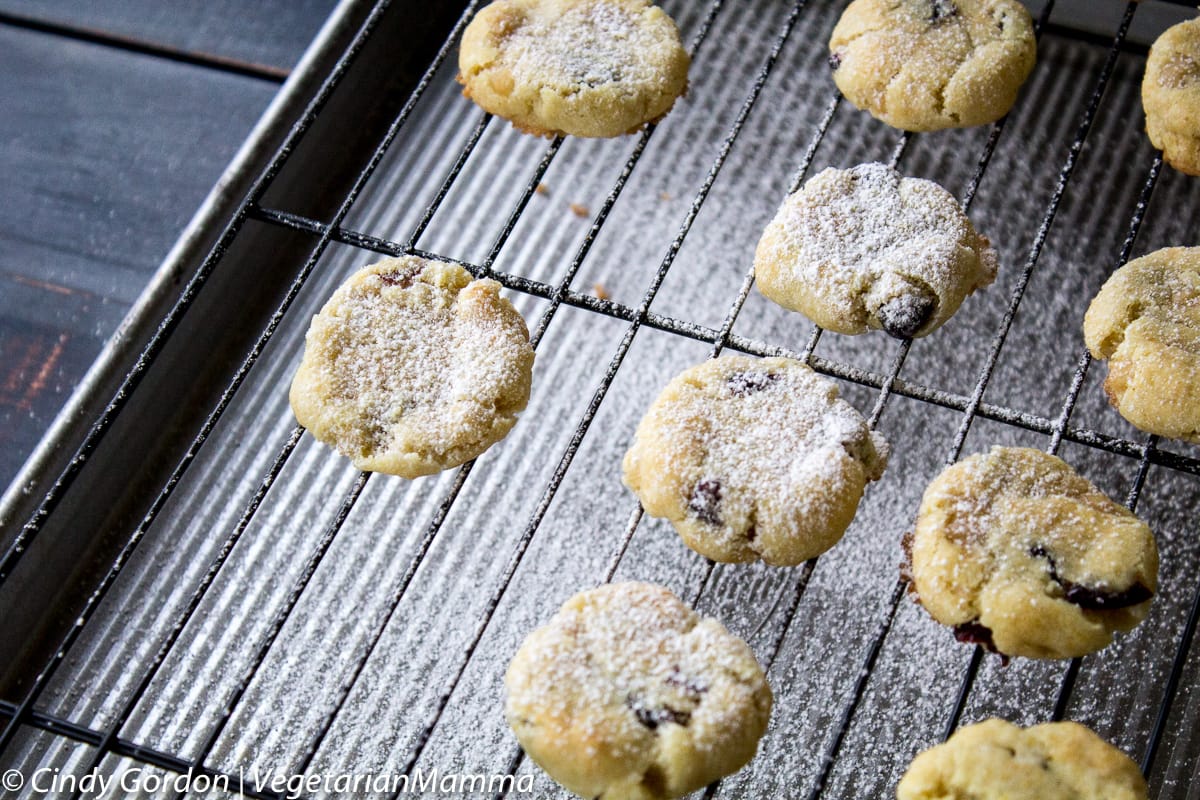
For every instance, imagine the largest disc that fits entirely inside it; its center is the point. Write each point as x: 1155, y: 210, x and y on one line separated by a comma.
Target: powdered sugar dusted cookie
x: 866, y: 248
x: 924, y: 65
x: 628, y: 694
x: 412, y: 367
x: 754, y: 458
x: 579, y: 67
x: 1018, y: 552
x: 1171, y: 96
x: 996, y: 760
x: 1146, y: 322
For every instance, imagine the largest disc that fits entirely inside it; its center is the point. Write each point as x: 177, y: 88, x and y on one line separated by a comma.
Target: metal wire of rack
x: 108, y: 741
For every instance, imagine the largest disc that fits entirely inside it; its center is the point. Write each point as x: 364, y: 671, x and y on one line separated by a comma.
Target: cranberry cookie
x: 1171, y: 96
x: 863, y: 248
x: 754, y: 458
x: 628, y: 694
x: 924, y: 65
x: 412, y: 367
x: 1146, y: 322
x: 1017, y: 552
x: 578, y: 67
x: 996, y: 760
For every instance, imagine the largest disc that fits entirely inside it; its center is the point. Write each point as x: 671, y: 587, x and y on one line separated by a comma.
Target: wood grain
x: 106, y: 154
x: 272, y: 33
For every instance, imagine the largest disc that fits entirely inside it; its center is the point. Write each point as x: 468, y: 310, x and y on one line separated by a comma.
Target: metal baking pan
x: 190, y: 584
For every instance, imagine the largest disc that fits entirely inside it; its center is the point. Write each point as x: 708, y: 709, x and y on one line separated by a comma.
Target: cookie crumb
x: 542, y: 189
x: 601, y: 291
x: 664, y: 196
x: 580, y: 210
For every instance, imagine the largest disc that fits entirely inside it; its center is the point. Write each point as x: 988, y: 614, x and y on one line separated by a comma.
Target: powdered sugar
x: 412, y: 361
x: 780, y: 439
x: 1036, y: 561
x: 629, y: 679
x: 852, y: 240
x: 1179, y: 71
x: 754, y: 458
x: 860, y: 225
x: 587, y: 44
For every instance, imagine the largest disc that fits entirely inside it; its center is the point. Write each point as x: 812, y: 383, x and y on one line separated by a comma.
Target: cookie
x: 996, y: 760
x: 1171, y: 96
x: 925, y: 65
x: 578, y: 67
x: 1146, y: 322
x: 628, y: 694
x: 413, y: 367
x: 863, y: 248
x: 754, y: 459
x: 1017, y: 552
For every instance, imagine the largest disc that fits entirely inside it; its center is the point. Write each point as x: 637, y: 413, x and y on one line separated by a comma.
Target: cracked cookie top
x: 578, y: 67
x: 925, y: 65
x: 996, y: 760
x: 413, y: 367
x: 867, y: 248
x: 754, y: 459
x: 1019, y: 553
x: 628, y: 693
x: 1146, y: 322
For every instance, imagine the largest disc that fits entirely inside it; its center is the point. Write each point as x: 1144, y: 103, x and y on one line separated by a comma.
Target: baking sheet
x: 368, y: 680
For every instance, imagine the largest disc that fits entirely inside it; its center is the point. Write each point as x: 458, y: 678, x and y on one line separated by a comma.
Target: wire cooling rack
x: 274, y: 609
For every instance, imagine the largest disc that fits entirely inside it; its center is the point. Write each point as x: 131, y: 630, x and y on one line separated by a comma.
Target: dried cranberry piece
x: 692, y: 687
x: 1099, y: 600
x: 942, y: 10
x: 652, y: 717
x: 705, y: 502
x: 401, y: 279
x: 744, y: 383
x: 1091, y: 598
x: 903, y: 316
x: 975, y: 632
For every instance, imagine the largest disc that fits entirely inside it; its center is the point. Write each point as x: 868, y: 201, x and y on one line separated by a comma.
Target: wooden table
x: 116, y: 118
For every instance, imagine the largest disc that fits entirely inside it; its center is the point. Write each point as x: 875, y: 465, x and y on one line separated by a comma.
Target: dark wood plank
x: 273, y: 33
x: 106, y: 154
x: 35, y: 360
